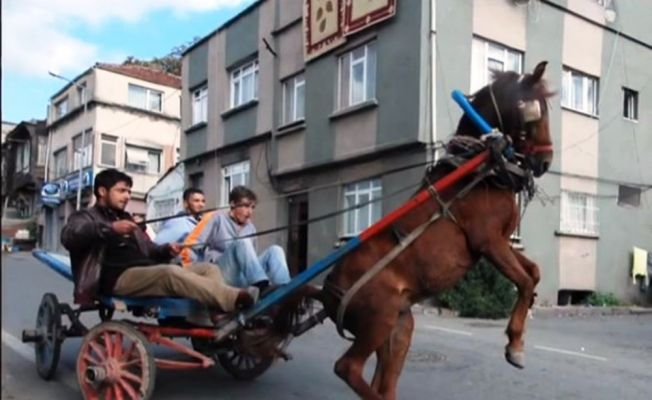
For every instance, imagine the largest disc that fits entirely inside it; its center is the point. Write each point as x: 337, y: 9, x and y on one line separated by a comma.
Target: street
x: 598, y: 357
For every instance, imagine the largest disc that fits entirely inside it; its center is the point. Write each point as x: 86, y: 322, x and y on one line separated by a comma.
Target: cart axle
x: 31, y: 336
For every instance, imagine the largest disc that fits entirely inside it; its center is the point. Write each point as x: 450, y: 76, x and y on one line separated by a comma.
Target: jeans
x: 241, y: 266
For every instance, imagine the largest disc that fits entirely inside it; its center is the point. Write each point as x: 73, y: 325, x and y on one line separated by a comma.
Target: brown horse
x: 479, y: 223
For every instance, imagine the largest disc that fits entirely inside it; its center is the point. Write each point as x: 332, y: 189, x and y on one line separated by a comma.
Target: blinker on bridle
x: 530, y: 111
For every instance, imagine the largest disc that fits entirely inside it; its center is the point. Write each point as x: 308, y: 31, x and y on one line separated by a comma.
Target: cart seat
x: 163, y: 307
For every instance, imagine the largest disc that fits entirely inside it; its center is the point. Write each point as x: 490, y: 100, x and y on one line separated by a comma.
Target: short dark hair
x: 189, y: 192
x: 241, y: 192
x: 109, y: 178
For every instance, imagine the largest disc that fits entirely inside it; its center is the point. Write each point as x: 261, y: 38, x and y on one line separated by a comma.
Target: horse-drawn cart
x: 115, y: 360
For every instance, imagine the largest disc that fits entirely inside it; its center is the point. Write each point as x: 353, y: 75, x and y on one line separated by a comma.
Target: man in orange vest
x: 187, y: 226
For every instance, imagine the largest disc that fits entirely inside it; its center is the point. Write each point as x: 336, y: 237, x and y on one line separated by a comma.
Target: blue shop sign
x: 52, y: 193
x: 73, y: 181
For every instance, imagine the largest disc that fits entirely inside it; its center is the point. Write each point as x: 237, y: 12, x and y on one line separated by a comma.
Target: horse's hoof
x: 516, y: 358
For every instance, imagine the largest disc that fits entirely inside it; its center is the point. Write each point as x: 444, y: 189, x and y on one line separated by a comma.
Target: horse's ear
x: 537, y: 74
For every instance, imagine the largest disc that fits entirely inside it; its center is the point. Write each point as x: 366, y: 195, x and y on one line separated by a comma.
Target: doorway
x: 297, y: 234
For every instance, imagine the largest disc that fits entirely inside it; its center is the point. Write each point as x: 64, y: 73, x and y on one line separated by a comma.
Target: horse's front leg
x: 531, y: 268
x: 501, y: 254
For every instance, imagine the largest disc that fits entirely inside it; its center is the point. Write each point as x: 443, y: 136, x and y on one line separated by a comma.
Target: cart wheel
x: 48, y: 328
x: 114, y: 362
x: 244, y: 366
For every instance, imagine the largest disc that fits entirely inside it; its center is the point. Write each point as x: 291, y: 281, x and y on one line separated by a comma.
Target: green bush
x: 482, y: 293
x: 599, y: 299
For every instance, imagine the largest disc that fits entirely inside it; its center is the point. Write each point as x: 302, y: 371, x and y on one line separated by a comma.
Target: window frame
x: 148, y: 93
x: 242, y: 71
x: 23, y: 156
x: 200, y: 105
x: 106, y: 139
x: 584, y: 226
x: 129, y: 167
x: 296, y: 81
x: 61, y: 107
x: 630, y: 104
x: 55, y: 161
x: 374, y: 191
x: 229, y: 171
x: 88, y: 149
x: 569, y: 97
x: 369, y: 87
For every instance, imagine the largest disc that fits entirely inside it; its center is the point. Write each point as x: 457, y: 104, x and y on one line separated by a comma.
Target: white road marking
x: 448, y: 330
x: 65, y: 375
x: 570, y: 353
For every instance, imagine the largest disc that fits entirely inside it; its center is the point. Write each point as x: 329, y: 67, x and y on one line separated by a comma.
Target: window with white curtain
x: 61, y: 162
x: 294, y: 99
x: 85, y: 154
x: 579, y: 92
x: 489, y: 57
x: 108, y: 148
x: 142, y: 160
x: 579, y: 213
x: 630, y: 104
x: 358, y: 219
x: 145, y: 98
x: 357, y: 76
x: 200, y: 105
x: 244, y: 83
x: 42, y: 151
x: 234, y: 175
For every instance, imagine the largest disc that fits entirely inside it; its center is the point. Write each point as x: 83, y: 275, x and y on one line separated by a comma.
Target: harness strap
x: 382, y: 263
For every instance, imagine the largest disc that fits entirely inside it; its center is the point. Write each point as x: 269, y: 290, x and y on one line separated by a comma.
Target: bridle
x: 530, y: 111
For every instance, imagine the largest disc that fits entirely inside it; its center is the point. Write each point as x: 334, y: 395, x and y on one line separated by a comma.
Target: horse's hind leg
x: 393, y: 354
x: 508, y: 263
x: 350, y: 366
x: 531, y: 268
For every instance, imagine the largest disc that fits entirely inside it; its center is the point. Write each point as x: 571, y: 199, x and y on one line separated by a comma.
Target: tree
x: 170, y: 63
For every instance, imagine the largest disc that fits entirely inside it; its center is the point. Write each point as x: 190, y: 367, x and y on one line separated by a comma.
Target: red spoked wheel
x: 114, y: 362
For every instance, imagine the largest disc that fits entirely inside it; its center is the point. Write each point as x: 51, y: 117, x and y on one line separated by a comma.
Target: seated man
x: 237, y: 258
x: 132, y: 265
x: 186, y: 227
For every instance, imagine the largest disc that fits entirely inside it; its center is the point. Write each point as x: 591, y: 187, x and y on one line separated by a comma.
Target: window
x: 22, y: 156
x: 357, y: 76
x: 142, y: 160
x: 244, y: 84
x: 356, y: 220
x: 487, y: 58
x: 197, y: 180
x: 629, y: 196
x: 234, y: 175
x: 85, y: 154
x: 200, y: 105
x: 630, y: 104
x: 81, y: 92
x: 108, y: 147
x: 579, y: 92
x: 61, y: 108
x: 579, y: 213
x: 293, y: 99
x: 145, y: 98
x: 61, y: 162
x: 42, y: 151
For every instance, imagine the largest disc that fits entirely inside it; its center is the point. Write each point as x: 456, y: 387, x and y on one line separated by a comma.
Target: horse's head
x: 516, y: 104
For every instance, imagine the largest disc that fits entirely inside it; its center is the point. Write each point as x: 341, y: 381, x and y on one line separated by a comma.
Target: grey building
x: 317, y: 114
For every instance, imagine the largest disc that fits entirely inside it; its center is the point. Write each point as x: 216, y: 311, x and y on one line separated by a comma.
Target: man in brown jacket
x: 110, y: 254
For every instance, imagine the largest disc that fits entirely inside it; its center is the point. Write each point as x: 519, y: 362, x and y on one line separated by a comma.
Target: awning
x: 137, y: 156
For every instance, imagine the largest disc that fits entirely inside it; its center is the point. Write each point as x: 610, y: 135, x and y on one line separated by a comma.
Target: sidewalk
x: 549, y: 312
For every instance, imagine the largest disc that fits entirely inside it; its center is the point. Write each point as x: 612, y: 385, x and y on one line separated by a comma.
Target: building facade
x: 130, y: 122
x: 23, y: 171
x: 318, y: 109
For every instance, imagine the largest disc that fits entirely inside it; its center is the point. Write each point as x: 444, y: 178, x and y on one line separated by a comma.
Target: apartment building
x: 316, y: 107
x: 130, y: 121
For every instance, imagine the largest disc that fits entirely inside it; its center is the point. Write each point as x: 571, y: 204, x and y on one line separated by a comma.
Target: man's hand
x: 175, y: 249
x: 124, y: 227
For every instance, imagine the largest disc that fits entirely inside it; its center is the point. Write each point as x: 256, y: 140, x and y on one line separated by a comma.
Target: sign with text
x: 322, y: 24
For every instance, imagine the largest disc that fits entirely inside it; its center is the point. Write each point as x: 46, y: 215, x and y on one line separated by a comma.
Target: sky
x: 69, y: 36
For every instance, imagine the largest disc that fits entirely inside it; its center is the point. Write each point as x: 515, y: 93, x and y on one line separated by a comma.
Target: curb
x: 548, y: 312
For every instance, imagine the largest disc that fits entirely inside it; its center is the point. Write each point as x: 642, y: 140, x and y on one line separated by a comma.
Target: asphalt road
x: 566, y: 358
